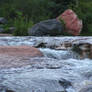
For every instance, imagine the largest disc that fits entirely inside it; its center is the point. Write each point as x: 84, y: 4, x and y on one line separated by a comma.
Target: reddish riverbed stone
x: 17, y: 56
x: 20, y: 51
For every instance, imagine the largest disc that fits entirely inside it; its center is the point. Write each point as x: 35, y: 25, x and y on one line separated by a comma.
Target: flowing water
x: 57, y: 71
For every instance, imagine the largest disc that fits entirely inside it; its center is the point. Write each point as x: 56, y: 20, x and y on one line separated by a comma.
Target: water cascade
x: 57, y: 71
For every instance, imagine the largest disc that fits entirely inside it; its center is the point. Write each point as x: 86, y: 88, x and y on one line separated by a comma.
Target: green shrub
x: 6, y: 28
x: 21, y: 26
x: 38, y: 10
x: 84, y: 12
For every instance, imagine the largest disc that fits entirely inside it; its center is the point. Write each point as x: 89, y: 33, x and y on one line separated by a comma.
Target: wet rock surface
x: 56, y: 71
x: 20, y: 51
x: 17, y: 56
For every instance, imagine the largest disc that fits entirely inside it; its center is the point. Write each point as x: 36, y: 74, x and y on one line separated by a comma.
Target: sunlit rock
x: 72, y: 23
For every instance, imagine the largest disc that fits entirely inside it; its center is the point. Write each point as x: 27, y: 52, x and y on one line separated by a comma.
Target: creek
x: 57, y: 71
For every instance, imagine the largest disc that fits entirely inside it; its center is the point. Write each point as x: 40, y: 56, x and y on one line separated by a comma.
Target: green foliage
x: 84, y: 11
x: 61, y: 20
x: 36, y: 10
x: 19, y: 12
x: 21, y: 26
x: 58, y: 6
x: 22, y: 14
x: 6, y: 28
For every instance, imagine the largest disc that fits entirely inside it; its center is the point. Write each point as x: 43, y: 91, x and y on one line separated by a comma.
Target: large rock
x: 3, y: 20
x: 72, y: 24
x: 17, y: 56
x: 51, y: 27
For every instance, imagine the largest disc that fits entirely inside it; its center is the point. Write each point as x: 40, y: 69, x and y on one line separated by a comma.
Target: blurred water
x: 57, y: 71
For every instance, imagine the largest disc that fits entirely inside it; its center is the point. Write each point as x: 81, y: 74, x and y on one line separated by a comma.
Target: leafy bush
x: 84, y: 11
x: 38, y: 10
x: 59, y: 6
x: 21, y: 25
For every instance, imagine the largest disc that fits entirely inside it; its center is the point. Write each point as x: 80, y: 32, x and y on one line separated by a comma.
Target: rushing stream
x: 57, y: 71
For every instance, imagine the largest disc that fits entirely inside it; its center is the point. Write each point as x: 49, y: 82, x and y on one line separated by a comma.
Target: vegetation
x: 84, y: 11
x: 22, y: 14
x: 21, y: 25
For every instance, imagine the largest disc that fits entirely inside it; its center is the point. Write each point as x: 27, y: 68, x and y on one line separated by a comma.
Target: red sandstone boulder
x: 72, y: 24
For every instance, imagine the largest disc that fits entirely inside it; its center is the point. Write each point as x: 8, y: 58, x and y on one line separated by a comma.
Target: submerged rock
x: 50, y: 27
x: 65, y: 83
x: 72, y: 24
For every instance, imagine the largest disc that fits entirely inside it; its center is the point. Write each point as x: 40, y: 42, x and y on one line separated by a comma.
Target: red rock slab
x: 1, y: 35
x: 20, y: 51
x: 17, y: 56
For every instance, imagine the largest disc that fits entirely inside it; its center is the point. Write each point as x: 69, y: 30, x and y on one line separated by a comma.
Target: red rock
x: 72, y: 24
x: 17, y: 56
x: 20, y: 51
